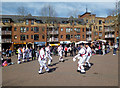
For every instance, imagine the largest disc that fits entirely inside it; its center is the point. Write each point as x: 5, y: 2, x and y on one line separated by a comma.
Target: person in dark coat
x: 33, y: 54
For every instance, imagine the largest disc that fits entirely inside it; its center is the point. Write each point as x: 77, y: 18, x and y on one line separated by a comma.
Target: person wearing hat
x: 81, y: 56
x: 47, y: 54
x: 42, y: 61
x: 60, y: 50
x: 88, y: 55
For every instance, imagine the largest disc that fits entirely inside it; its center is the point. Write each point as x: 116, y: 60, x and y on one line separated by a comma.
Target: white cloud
x: 59, y: 1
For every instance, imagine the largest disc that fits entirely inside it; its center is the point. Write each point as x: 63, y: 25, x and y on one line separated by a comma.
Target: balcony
x: 109, y: 36
x: 88, y: 32
x: 108, y: 30
x: 6, y: 32
x: 53, y: 32
x: 52, y: 39
x: 6, y: 40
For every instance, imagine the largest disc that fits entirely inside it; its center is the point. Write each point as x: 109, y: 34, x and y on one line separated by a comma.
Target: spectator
x: 74, y: 49
x: 33, y: 54
x: 65, y: 51
x: 115, y: 49
x: 7, y: 53
x: 99, y: 49
x: 103, y: 49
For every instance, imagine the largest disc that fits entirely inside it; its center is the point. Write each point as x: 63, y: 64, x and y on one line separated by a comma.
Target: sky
x: 63, y: 9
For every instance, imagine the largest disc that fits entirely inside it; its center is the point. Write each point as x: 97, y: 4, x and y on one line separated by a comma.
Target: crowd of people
x: 44, y: 54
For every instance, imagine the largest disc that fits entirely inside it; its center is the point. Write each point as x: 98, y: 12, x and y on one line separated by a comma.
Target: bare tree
x: 48, y: 10
x: 22, y: 11
x: 74, y: 13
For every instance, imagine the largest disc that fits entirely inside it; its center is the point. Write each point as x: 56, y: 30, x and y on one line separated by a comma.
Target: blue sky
x: 63, y: 9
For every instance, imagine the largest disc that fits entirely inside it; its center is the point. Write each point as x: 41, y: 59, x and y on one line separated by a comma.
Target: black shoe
x: 41, y: 73
x: 78, y: 70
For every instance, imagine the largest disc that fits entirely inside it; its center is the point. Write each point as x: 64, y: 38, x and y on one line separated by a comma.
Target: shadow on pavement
x: 54, y: 64
x: 52, y: 69
x: 88, y: 68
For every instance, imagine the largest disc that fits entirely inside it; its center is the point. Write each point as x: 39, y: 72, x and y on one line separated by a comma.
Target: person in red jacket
x: 65, y: 51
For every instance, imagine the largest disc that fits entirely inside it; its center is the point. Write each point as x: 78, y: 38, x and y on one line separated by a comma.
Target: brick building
x: 100, y: 28
x: 37, y: 30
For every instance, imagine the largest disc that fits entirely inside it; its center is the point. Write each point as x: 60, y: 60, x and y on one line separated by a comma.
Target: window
x: 70, y: 23
x: 96, y: 33
x: 83, y: 36
x: 86, y: 21
x: 67, y: 29
x: 36, y: 37
x: 77, y: 36
x: 43, y: 29
x: 31, y: 28
x: 43, y: 37
x: 71, y: 36
x: 100, y: 34
x: 26, y: 22
x: 71, y: 29
x: 7, y: 29
x: 78, y: 30
x: 100, y: 28
x: 15, y: 29
x: 68, y: 37
x: 83, y: 29
x: 22, y: 29
x: 31, y: 36
x: 61, y: 29
x: 61, y: 36
x: 32, y: 22
x: 96, y: 27
x: 27, y: 28
x: 22, y: 37
x: 15, y: 36
x: 75, y: 29
x: 36, y: 29
x: 27, y: 36
x: 100, y: 21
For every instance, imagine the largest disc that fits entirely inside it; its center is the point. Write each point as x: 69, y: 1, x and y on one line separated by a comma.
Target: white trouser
x: 50, y: 59
x: 60, y: 54
x: 103, y: 52
x: 19, y: 57
x: 23, y: 56
x: 87, y: 60
x: 81, y: 63
x: 43, y: 65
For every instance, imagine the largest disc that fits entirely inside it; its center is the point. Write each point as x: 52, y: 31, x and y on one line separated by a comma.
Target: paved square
x: 104, y: 72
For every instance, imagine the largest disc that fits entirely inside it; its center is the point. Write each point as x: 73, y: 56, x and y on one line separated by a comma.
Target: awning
x: 81, y: 42
x: 20, y: 43
x: 102, y: 40
x: 40, y: 43
x: 65, y: 42
x: 54, y: 44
